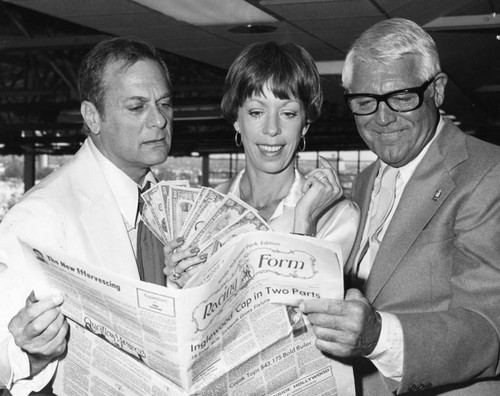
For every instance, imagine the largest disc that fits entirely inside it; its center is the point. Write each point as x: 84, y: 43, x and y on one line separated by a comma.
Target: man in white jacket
x: 88, y: 208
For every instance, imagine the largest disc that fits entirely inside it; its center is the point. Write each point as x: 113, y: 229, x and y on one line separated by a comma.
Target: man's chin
x: 157, y: 160
x: 157, y: 154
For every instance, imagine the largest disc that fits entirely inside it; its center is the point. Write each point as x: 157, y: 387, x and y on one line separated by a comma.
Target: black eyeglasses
x: 401, y: 101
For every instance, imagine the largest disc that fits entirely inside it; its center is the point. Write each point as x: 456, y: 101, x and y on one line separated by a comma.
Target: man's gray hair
x: 390, y: 40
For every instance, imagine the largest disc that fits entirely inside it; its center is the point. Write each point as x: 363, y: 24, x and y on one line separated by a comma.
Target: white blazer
x: 73, y: 211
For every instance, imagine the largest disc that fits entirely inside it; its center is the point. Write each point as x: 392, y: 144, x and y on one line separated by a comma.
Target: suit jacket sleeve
x: 39, y: 223
x: 460, y: 343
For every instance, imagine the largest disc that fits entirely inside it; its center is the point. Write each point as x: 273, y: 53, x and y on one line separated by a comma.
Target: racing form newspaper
x: 233, y: 330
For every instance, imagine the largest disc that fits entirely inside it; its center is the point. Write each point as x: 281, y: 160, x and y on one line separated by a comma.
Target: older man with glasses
x: 422, y: 314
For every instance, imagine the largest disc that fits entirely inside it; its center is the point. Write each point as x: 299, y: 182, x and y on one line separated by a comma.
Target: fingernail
x: 194, y: 250
x: 301, y: 307
x: 203, y: 256
x: 180, y: 239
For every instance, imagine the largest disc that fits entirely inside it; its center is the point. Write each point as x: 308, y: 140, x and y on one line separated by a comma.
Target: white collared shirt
x: 405, y: 172
x: 388, y: 355
x: 125, y: 192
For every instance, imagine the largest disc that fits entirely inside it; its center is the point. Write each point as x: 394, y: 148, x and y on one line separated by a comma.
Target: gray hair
x: 390, y: 40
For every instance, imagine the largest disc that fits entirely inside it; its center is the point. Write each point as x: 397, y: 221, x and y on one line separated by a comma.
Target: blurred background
x: 43, y: 41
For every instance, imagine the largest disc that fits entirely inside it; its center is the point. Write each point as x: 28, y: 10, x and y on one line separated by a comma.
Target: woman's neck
x: 264, y: 191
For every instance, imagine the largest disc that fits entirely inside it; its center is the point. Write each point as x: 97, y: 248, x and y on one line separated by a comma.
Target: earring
x: 237, y: 139
x: 303, y: 142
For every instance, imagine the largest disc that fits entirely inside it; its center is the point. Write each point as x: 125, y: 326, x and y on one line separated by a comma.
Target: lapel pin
x: 437, y: 194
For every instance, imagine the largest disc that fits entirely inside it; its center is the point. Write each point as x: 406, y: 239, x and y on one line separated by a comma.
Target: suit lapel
x: 425, y: 192
x: 102, y: 219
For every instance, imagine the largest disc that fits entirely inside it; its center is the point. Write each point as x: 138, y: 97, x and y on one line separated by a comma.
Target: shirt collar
x: 406, y: 171
x: 123, y: 188
x: 295, y: 192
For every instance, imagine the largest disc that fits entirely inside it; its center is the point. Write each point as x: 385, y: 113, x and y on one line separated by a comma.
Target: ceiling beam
x: 37, y: 43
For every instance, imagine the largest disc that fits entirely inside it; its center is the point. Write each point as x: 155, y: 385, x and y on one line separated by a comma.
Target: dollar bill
x: 149, y: 221
x: 226, y: 213
x: 249, y: 221
x: 179, y: 204
x: 202, y: 211
x: 153, y: 199
x: 203, y: 216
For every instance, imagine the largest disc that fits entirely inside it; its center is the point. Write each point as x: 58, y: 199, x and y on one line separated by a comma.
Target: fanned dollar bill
x: 154, y: 200
x: 154, y: 215
x: 202, y: 211
x: 205, y: 217
x: 179, y: 204
x: 148, y: 218
x: 249, y: 221
x: 230, y: 209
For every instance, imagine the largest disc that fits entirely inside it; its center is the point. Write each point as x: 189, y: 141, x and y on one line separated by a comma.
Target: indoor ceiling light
x: 330, y: 67
x: 252, y: 29
x: 488, y: 88
x: 464, y: 22
x: 209, y: 12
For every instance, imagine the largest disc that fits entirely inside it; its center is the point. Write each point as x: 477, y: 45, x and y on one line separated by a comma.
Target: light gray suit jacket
x: 438, y: 270
x: 72, y: 211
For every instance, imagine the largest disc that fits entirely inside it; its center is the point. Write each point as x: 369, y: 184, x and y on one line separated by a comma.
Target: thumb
x: 354, y: 294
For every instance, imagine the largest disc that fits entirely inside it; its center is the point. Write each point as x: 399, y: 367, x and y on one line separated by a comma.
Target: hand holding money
x: 181, y: 264
x: 193, y: 223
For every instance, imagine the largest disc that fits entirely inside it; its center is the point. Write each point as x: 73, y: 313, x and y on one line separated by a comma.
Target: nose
x: 384, y: 115
x: 272, y: 126
x: 158, y: 117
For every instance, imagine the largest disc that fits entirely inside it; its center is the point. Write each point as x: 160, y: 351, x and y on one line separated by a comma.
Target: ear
x: 305, y: 128
x: 439, y: 86
x: 91, y: 117
x: 236, y: 126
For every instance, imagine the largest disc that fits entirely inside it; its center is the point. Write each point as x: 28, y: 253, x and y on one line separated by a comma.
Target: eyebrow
x: 145, y: 99
x: 261, y: 101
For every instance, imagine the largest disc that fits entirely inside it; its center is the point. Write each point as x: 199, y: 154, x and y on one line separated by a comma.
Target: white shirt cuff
x: 20, y: 369
x: 5, y: 369
x: 389, y: 353
x: 14, y: 363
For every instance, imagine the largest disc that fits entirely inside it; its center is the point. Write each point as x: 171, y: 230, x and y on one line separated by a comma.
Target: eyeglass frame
x: 420, y: 91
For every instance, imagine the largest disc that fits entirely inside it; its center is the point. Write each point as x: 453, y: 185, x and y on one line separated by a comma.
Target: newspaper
x: 235, y: 331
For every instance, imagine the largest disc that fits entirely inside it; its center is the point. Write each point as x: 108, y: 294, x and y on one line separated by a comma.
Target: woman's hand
x: 320, y: 190
x: 180, y: 265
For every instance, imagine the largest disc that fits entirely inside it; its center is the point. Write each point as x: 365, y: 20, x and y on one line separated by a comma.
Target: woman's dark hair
x: 288, y: 70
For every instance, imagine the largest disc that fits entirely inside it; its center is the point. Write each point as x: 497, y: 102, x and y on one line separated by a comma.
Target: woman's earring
x: 237, y: 139
x: 302, y: 143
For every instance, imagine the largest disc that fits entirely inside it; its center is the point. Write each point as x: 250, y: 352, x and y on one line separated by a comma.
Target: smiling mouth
x: 390, y: 132
x: 270, y: 150
x: 390, y: 135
